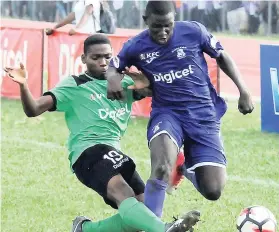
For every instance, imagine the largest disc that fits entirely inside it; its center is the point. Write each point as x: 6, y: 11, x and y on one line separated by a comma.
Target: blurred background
x: 236, y: 17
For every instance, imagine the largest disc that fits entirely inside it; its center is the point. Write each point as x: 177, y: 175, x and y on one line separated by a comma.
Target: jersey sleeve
x: 62, y: 94
x: 210, y: 44
x: 124, y: 57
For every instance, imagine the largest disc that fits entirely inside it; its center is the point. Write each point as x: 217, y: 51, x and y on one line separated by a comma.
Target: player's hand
x: 140, y: 80
x: 18, y: 75
x: 72, y: 32
x: 49, y: 31
x: 114, y: 87
x: 245, y: 104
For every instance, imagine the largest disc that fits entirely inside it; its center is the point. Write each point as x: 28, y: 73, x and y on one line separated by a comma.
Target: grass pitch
x: 40, y: 194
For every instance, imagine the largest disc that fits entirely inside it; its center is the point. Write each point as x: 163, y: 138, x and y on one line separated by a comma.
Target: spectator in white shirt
x: 86, y: 14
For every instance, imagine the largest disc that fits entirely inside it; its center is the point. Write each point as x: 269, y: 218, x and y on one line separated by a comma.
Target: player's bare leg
x: 211, y: 181
x: 118, y: 190
x: 208, y: 180
x: 163, y: 157
x: 183, y: 224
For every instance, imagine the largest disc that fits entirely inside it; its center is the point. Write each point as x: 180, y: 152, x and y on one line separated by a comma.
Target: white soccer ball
x: 256, y: 219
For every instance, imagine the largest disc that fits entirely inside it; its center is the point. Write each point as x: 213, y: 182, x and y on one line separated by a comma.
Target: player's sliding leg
x: 117, y: 181
x: 133, y: 215
x: 184, y: 224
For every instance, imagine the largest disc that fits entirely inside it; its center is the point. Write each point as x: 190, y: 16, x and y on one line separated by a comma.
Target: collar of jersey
x: 93, y: 78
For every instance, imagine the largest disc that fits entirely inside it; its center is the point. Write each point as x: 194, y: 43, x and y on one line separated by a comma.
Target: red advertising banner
x: 26, y: 46
x: 64, y: 53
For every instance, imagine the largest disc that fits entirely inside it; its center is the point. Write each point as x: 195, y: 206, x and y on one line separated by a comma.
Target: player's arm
x: 141, y: 85
x: 114, y: 78
x: 228, y: 66
x: 114, y: 74
x: 138, y: 83
x: 214, y: 49
x: 31, y: 107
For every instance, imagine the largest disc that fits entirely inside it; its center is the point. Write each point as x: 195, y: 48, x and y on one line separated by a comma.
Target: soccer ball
x: 256, y: 219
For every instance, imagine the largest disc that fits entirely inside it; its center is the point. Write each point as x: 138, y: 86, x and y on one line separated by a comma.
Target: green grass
x: 40, y: 194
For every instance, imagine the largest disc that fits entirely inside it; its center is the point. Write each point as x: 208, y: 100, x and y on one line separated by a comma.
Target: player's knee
x: 211, y: 181
x: 162, y: 171
x: 212, y: 194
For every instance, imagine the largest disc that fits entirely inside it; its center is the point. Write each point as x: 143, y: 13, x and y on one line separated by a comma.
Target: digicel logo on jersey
x: 171, y: 76
x: 106, y: 113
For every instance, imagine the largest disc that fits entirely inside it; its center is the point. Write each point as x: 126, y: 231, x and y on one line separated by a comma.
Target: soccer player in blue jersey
x: 186, y: 110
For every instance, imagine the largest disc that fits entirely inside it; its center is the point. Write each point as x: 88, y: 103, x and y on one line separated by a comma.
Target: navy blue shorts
x: 201, y: 140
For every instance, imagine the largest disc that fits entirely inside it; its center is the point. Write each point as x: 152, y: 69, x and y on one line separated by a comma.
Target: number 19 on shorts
x: 116, y: 158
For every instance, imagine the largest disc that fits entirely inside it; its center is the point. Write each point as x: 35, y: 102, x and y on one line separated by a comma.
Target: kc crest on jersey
x: 180, y: 52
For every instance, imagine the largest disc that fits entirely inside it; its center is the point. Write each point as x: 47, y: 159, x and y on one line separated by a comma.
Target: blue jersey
x: 177, y: 71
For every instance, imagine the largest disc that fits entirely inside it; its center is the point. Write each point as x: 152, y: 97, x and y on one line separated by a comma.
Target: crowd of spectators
x: 237, y: 17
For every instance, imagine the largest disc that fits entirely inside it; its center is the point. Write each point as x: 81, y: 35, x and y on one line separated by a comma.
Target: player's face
x: 160, y: 27
x: 97, y: 59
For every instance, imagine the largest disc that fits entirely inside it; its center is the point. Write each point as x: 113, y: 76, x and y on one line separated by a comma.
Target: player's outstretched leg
x: 183, y: 224
x: 133, y: 215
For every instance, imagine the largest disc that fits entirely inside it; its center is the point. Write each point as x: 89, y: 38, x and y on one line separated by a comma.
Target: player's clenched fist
x: 245, y: 104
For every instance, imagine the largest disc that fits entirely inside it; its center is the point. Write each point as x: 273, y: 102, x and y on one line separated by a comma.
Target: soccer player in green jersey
x: 96, y: 125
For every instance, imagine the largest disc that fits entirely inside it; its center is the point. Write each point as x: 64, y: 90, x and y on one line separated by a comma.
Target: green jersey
x: 90, y: 116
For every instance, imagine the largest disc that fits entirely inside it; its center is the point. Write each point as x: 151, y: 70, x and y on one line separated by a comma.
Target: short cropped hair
x: 95, y: 39
x: 159, y: 7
